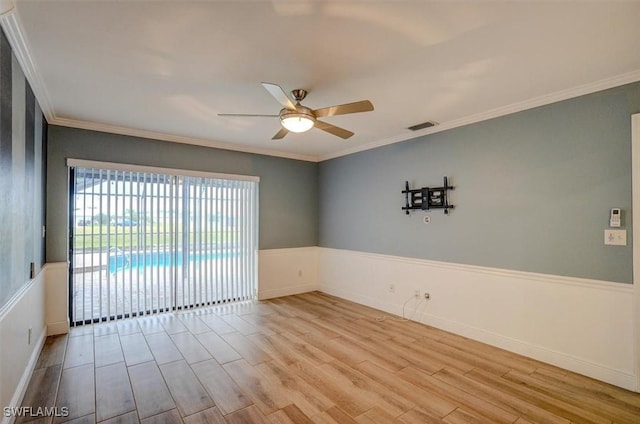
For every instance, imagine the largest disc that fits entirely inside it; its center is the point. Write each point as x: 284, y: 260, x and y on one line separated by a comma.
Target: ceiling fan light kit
x: 298, y: 121
x: 298, y: 118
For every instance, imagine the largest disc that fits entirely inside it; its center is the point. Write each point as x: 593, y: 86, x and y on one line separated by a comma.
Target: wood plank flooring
x: 309, y: 358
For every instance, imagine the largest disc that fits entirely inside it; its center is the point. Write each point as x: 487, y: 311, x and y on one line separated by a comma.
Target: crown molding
x: 13, y: 29
x: 113, y: 129
x: 558, y: 96
x: 12, y: 26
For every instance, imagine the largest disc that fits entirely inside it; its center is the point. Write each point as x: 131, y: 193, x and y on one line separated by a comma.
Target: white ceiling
x: 166, y: 69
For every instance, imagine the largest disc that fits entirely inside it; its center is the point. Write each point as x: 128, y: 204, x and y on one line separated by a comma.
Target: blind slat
x: 153, y: 242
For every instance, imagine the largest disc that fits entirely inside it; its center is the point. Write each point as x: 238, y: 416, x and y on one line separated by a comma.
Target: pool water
x: 120, y: 260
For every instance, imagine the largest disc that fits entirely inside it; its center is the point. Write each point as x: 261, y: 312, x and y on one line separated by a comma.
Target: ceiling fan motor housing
x: 299, y: 94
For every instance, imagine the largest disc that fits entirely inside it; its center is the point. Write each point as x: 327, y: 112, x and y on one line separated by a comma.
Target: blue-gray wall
x: 533, y: 191
x: 22, y: 184
x: 288, y: 188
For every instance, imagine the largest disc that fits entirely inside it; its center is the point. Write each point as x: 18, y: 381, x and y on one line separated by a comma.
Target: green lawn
x: 101, y: 237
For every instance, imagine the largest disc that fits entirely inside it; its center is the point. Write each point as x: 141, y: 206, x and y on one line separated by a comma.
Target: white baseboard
x: 22, y: 332
x: 601, y: 372
x: 23, y: 384
x: 55, y: 328
x: 286, y: 291
x: 581, y: 325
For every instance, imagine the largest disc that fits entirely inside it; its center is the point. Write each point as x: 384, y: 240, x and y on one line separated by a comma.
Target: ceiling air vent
x: 422, y: 126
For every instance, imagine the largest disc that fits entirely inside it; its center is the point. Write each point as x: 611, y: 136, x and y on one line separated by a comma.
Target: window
x: 147, y: 240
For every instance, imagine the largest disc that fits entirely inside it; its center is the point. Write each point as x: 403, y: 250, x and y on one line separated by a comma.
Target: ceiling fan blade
x: 332, y: 129
x: 278, y: 93
x: 247, y: 114
x: 283, y: 131
x: 361, y: 106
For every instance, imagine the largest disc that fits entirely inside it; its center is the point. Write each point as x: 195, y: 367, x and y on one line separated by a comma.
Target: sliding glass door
x: 144, y: 242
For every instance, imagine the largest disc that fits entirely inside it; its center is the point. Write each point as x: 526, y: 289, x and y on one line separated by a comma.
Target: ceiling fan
x: 298, y: 118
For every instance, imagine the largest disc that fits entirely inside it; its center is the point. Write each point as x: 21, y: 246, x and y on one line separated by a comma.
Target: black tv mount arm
x: 427, y: 198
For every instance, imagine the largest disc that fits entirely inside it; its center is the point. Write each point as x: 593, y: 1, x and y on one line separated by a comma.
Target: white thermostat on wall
x: 614, y: 217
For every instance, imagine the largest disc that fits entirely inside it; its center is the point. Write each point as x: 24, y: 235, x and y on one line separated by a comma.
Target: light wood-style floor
x: 309, y: 358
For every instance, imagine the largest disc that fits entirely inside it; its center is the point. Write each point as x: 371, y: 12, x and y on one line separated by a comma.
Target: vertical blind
x: 145, y: 242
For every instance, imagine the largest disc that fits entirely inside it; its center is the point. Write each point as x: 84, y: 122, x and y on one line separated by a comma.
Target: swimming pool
x: 119, y: 260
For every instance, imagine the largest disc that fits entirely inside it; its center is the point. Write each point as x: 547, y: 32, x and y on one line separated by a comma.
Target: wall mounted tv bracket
x: 427, y: 198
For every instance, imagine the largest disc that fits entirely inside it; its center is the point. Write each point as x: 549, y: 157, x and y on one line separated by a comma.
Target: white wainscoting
x: 283, y: 272
x: 57, y: 298
x: 18, y: 355
x: 41, y: 305
x: 581, y: 325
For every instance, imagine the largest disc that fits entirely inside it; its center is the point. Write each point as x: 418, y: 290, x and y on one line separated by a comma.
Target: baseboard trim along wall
x: 581, y: 325
x: 40, y: 305
x: 22, y: 332
x: 283, y: 272
x: 21, y: 390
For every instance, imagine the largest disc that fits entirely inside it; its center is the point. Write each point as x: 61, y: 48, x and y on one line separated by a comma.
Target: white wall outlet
x: 615, y: 237
x: 392, y: 288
